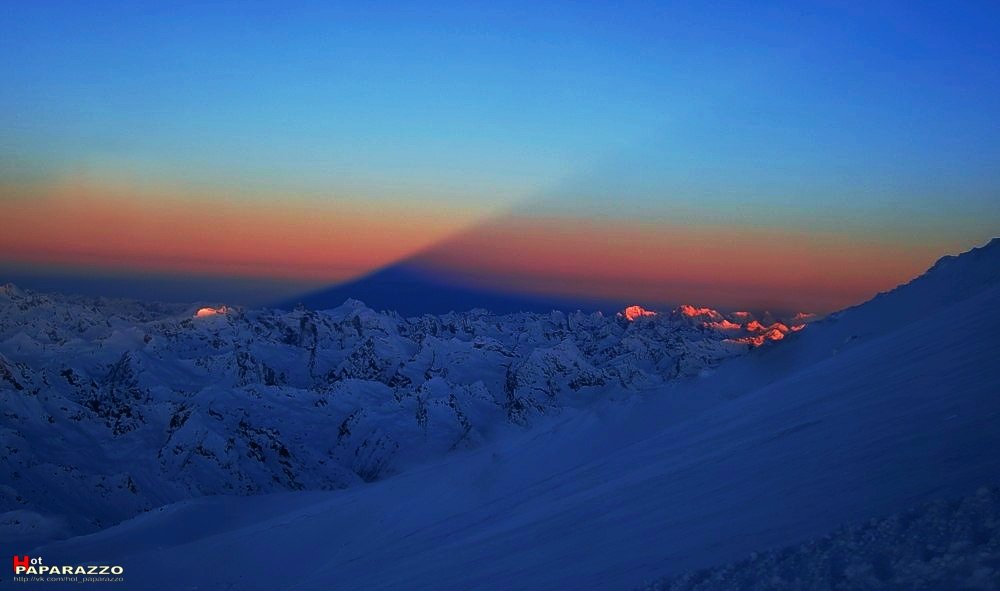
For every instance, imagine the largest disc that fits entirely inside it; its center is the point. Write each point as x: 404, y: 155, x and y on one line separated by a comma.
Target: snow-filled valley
x: 353, y: 449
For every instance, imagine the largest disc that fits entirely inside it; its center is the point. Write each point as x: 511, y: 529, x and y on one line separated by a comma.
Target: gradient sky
x: 795, y: 155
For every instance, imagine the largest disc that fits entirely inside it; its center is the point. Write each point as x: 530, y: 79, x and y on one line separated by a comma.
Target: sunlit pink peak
x: 742, y: 315
x: 633, y: 312
x: 692, y: 312
x: 204, y: 312
x: 803, y: 317
x: 755, y: 326
x: 756, y: 341
x: 723, y: 325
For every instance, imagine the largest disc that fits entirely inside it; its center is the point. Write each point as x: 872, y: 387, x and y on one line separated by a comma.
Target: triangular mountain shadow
x: 412, y: 291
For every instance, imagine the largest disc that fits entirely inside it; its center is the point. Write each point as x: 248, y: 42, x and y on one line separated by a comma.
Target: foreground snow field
x: 937, y: 545
x: 866, y: 414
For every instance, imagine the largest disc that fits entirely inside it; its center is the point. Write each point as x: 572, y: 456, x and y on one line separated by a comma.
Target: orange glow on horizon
x: 83, y: 224
x: 724, y: 266
x: 79, y: 223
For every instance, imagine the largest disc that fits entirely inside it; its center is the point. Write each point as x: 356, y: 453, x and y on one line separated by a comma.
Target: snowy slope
x: 943, y: 544
x: 843, y: 422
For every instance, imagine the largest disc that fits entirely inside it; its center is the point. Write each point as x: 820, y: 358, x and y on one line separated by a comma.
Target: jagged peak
x: 695, y: 312
x: 208, y: 311
x: 354, y: 304
x: 9, y: 289
x: 634, y: 312
x: 803, y: 317
x: 724, y: 324
x: 757, y: 326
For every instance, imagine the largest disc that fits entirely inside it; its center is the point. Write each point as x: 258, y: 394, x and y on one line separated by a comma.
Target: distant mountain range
x: 224, y: 400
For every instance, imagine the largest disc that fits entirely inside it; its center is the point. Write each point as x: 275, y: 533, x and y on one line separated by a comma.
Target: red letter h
x: 22, y: 562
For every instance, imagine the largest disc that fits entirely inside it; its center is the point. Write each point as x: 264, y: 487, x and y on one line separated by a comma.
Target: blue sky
x: 876, y: 120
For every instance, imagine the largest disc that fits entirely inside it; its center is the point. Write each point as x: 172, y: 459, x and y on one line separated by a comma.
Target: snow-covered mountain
x: 115, y: 407
x: 869, y: 413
